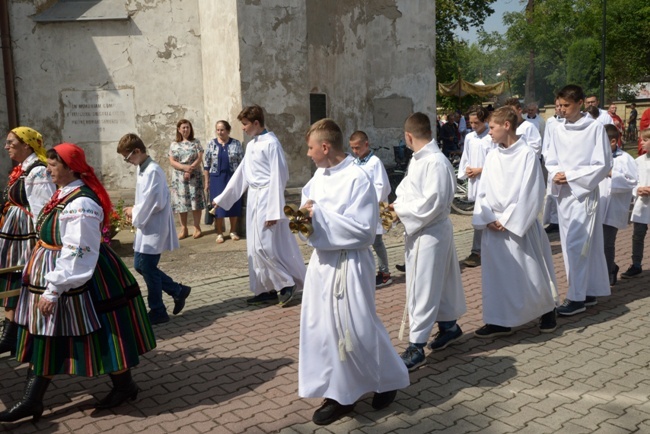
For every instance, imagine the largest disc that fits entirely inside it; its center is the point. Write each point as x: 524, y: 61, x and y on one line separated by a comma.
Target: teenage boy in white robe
x: 518, y: 276
x: 477, y: 145
x: 578, y: 159
x: 345, y: 351
x: 550, y: 204
x: 434, y: 292
x: 372, y: 165
x: 275, y: 264
x: 615, y: 197
x: 641, y: 211
x: 153, y: 220
x: 526, y: 130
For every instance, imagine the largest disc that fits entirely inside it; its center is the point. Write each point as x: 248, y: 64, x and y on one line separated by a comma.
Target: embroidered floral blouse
x: 81, y: 236
x: 211, y: 156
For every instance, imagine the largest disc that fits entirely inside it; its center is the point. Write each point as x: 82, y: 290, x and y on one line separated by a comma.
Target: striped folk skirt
x: 17, y: 238
x: 99, y: 328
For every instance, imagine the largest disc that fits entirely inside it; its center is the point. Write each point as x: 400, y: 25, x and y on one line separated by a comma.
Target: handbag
x: 208, y: 217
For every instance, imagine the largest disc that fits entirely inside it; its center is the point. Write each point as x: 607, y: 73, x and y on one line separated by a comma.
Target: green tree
x: 450, y: 16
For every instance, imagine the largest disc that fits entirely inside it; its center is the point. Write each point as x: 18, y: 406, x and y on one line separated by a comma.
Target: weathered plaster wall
x: 157, y: 54
x: 5, y: 161
x: 221, y: 65
x: 375, y: 60
x: 274, y: 74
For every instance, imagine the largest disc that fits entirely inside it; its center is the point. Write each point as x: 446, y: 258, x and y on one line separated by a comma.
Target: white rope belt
x: 340, y: 295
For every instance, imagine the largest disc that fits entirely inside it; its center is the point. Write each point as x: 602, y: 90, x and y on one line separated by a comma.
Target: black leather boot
x: 124, y: 388
x: 9, y: 337
x: 32, y: 402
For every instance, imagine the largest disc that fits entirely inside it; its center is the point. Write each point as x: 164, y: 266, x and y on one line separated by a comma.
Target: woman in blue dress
x: 222, y: 156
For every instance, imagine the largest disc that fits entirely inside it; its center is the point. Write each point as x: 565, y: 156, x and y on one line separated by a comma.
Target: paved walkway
x: 224, y: 367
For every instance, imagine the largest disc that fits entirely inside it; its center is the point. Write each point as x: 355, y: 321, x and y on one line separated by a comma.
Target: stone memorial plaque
x: 97, y: 115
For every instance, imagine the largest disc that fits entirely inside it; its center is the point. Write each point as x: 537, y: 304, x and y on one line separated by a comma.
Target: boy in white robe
x: 641, y: 211
x: 477, y: 145
x: 275, y: 264
x: 372, y: 165
x: 550, y: 204
x: 345, y: 350
x: 526, y: 130
x: 615, y: 197
x: 518, y: 276
x: 578, y: 159
x: 153, y: 220
x: 433, y: 285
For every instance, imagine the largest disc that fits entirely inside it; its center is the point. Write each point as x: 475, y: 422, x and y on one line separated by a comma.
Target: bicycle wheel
x: 461, y: 204
x: 394, y: 178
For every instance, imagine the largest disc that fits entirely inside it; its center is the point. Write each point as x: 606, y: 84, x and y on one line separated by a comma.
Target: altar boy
x: 433, y: 286
x: 345, y: 350
x: 518, y: 275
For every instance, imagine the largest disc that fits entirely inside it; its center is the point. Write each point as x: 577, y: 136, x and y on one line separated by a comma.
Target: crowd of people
x: 80, y: 311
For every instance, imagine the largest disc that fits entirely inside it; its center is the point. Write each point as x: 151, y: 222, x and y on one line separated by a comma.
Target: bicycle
x: 461, y: 204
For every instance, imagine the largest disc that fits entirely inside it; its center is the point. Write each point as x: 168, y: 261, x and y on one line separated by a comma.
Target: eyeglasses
x: 126, y: 159
x: 11, y: 143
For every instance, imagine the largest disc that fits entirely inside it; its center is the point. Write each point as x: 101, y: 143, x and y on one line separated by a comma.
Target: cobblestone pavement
x: 224, y: 367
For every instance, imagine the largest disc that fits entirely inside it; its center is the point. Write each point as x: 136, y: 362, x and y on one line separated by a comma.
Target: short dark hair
x: 226, y: 125
x: 129, y: 143
x: 572, y: 92
x: 480, y: 112
x: 593, y: 111
x: 612, y: 132
x: 513, y: 102
x: 419, y: 125
x: 252, y: 113
x: 359, y: 135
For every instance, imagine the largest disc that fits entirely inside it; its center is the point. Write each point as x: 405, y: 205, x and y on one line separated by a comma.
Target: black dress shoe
x: 179, y: 303
x: 383, y: 399
x: 552, y: 227
x: 330, y: 412
x: 401, y: 267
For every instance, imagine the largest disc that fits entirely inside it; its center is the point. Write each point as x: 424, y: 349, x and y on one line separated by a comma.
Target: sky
x: 494, y: 21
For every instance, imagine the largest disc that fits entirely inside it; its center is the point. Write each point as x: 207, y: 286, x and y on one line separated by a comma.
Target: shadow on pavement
x: 183, y: 383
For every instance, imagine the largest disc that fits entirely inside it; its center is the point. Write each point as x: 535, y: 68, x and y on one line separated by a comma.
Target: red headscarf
x: 75, y: 158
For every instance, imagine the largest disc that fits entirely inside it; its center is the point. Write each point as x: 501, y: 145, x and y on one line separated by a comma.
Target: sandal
x: 220, y: 239
x: 197, y: 234
x: 182, y: 235
x: 234, y: 236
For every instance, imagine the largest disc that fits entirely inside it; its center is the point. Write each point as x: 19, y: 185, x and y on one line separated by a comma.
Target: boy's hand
x: 496, y: 226
x: 560, y: 178
x: 128, y: 214
x: 643, y: 191
x: 309, y: 206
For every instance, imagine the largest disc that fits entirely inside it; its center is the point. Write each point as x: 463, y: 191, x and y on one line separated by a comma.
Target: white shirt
x: 152, y: 212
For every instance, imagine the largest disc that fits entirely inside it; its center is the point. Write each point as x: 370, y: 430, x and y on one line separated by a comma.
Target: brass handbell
x: 298, y: 220
x: 387, y: 216
x: 306, y: 229
x: 290, y: 210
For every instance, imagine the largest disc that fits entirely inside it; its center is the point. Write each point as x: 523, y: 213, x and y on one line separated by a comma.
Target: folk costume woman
x: 28, y: 190
x: 80, y: 311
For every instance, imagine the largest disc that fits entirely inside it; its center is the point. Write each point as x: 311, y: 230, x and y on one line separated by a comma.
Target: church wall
x: 375, y: 61
x: 144, y: 73
x: 274, y: 74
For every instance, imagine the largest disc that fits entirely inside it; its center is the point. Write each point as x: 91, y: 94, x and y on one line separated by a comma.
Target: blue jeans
x: 157, y: 281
